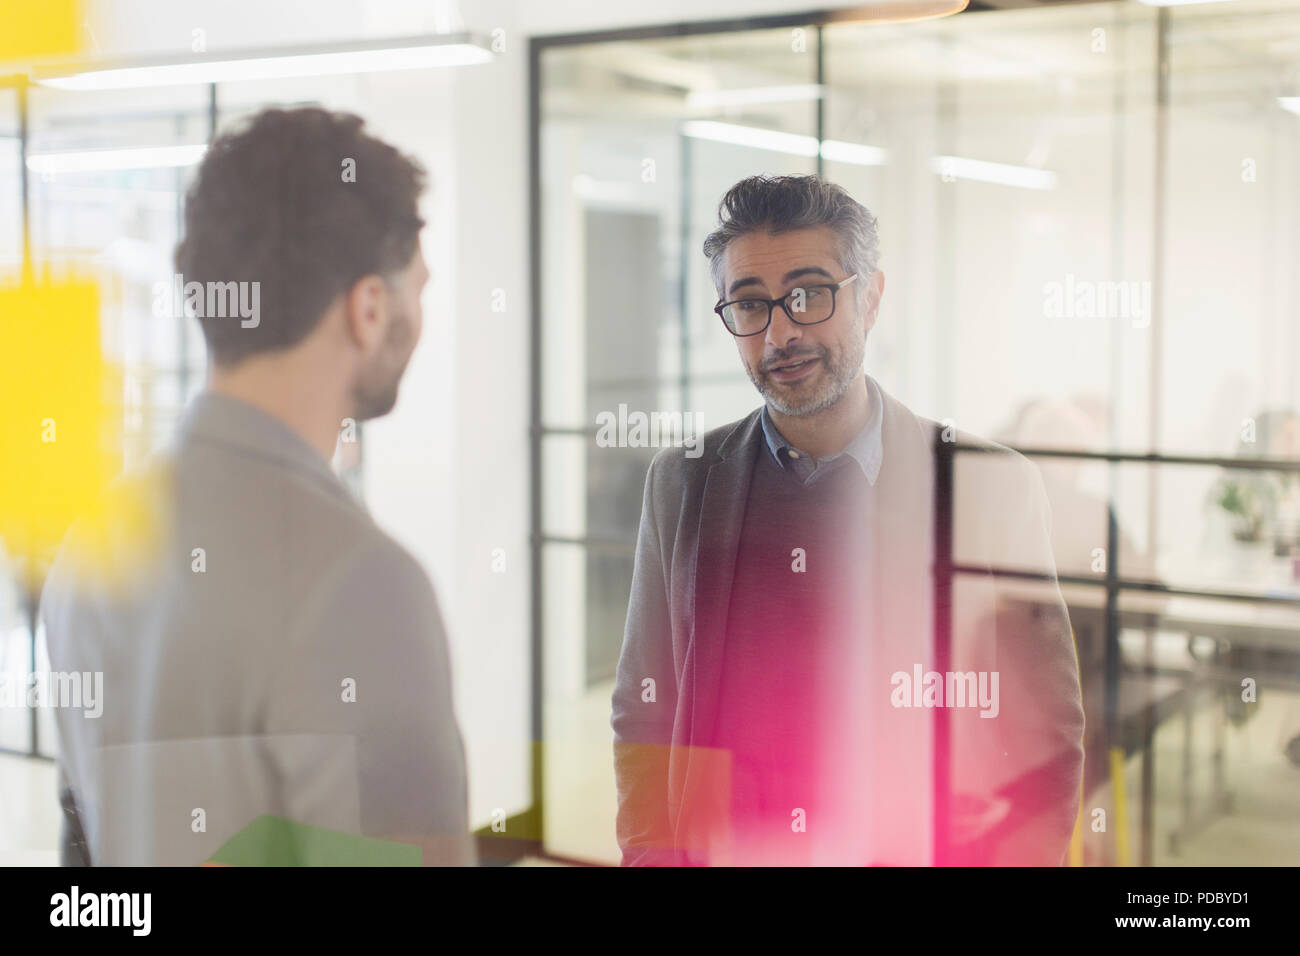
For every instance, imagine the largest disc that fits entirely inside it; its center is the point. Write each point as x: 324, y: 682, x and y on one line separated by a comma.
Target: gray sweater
x: 275, y: 655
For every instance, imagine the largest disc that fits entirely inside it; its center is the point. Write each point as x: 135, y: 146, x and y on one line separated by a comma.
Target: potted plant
x: 1248, y: 500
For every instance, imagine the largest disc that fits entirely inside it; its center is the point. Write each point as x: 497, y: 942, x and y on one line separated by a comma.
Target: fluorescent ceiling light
x: 1177, y: 3
x: 596, y: 190
x: 414, y: 53
x: 97, y: 160
x: 894, y: 11
x: 1001, y: 174
x: 752, y: 136
x: 838, y: 151
x: 754, y: 95
x: 793, y: 144
x: 1289, y: 103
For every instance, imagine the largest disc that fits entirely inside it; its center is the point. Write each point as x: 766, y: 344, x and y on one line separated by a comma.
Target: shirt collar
x: 237, y: 425
x: 866, y: 448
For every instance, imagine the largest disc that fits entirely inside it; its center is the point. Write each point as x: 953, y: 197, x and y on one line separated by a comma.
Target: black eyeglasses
x: 815, y: 303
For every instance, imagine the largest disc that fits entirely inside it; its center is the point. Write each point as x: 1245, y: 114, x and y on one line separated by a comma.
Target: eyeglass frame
x: 781, y: 301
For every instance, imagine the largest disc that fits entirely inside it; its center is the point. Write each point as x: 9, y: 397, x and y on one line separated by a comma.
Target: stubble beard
x: 838, y: 378
x: 373, y: 397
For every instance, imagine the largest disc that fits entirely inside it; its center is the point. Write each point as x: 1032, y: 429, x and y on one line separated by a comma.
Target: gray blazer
x: 1022, y: 770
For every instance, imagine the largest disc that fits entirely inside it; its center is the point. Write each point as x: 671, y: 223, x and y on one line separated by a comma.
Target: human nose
x: 782, y: 331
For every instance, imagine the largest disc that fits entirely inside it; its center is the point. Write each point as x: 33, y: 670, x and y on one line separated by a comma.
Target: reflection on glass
x: 1050, y: 283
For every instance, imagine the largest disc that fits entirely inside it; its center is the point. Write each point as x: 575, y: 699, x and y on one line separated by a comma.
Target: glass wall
x: 106, y: 174
x: 1078, y: 255
x: 639, y: 140
x: 104, y: 190
x: 121, y: 220
x: 106, y: 185
x: 15, y: 637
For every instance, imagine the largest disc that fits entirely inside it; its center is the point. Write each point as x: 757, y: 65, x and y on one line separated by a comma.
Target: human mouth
x: 793, y: 370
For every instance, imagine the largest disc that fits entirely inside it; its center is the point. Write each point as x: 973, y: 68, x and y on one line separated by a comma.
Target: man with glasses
x: 776, y: 693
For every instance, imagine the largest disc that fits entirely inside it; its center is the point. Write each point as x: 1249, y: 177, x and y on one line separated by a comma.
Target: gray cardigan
x: 1025, y: 766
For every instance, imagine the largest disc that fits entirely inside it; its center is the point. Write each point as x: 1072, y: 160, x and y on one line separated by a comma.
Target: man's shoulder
x: 989, y: 478
x: 258, y: 531
x: 258, y: 504
x: 376, y: 580
x: 379, y: 565
x: 966, y: 443
x: 983, y: 469
x: 998, y: 459
x: 946, y: 430
x: 679, y: 465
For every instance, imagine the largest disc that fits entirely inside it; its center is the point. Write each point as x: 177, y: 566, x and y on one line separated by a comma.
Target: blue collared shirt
x: 866, y: 448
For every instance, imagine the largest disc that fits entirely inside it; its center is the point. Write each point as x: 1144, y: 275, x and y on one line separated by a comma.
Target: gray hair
x: 781, y: 203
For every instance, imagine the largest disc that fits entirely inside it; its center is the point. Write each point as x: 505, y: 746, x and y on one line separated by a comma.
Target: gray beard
x: 842, y: 376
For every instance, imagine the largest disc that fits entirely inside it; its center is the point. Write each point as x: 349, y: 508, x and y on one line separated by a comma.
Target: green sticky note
x: 275, y: 841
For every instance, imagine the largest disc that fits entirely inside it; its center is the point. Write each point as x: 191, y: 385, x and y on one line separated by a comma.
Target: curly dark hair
x: 271, y: 204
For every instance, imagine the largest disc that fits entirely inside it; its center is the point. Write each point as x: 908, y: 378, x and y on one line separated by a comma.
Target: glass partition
x: 1087, y: 232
